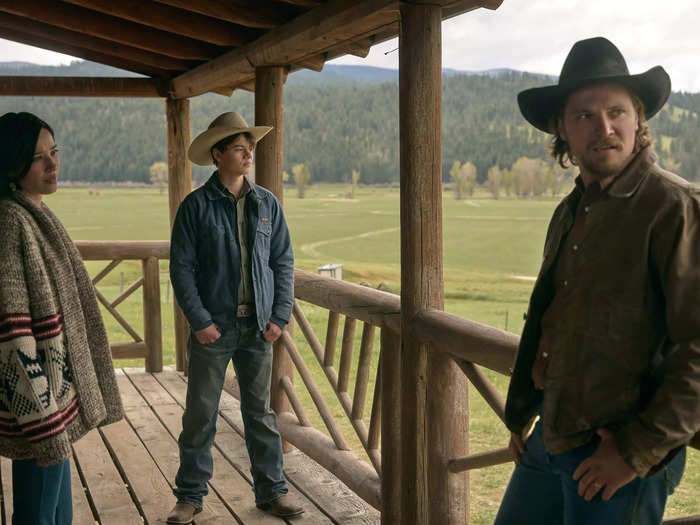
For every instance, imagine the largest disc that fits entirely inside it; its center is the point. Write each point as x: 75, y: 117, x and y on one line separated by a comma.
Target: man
x: 231, y: 265
x: 610, y: 352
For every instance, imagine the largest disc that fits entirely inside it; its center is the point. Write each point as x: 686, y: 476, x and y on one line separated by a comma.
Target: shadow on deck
x: 122, y: 473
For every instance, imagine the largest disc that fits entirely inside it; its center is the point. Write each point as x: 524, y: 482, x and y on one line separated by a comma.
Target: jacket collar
x: 212, y: 188
x: 626, y: 183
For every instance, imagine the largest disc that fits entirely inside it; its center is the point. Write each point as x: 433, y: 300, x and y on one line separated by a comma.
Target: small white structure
x: 334, y: 271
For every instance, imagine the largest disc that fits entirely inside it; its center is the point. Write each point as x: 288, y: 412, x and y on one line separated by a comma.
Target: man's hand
x: 604, y: 468
x: 272, y: 332
x: 208, y: 335
x: 516, y: 447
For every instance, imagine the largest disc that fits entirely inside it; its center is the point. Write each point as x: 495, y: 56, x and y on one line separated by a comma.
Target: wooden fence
x: 150, y: 345
x: 471, y: 345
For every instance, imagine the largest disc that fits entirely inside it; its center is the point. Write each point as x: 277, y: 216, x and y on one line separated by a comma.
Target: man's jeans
x: 542, y: 491
x: 41, y: 495
x: 252, y: 360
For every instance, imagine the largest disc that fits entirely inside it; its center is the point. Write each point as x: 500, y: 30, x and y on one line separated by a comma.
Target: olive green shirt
x: 245, y: 286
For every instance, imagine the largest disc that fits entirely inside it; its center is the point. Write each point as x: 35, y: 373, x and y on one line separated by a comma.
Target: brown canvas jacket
x: 628, y: 355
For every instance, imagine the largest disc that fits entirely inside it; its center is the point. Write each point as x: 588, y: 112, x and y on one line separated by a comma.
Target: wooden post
x: 269, y: 84
x: 151, y: 315
x: 389, y: 359
x: 179, y: 186
x: 433, y: 408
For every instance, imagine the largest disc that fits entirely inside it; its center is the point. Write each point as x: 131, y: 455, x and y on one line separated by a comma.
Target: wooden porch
x: 122, y: 474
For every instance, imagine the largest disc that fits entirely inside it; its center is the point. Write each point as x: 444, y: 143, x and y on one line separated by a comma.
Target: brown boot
x: 282, y: 507
x: 182, y: 513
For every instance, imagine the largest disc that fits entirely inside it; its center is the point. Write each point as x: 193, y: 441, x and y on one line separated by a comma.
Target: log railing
x: 471, y: 345
x: 150, y: 345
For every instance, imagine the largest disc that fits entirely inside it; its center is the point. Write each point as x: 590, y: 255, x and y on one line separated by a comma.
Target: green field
x: 491, y: 251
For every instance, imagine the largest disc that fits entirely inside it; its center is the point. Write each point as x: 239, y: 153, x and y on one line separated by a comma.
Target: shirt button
x: 566, y: 283
x: 575, y: 247
x: 587, y: 209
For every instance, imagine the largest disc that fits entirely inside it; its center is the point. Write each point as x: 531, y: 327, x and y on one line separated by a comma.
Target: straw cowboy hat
x: 595, y: 60
x: 223, y: 126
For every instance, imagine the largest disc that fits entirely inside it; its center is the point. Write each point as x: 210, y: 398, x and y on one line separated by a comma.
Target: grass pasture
x: 491, y: 251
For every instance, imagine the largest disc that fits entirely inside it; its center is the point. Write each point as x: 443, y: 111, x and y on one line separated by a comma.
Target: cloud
x: 536, y: 35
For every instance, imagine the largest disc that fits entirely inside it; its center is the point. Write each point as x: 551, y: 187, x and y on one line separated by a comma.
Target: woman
x: 56, y: 376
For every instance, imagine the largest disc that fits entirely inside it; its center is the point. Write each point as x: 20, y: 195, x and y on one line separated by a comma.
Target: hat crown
x: 230, y: 119
x: 593, y: 58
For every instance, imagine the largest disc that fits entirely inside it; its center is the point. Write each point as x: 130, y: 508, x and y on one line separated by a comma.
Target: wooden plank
x: 26, y: 86
x: 161, y: 16
x: 82, y: 513
x: 109, y: 28
x: 142, y: 474
x: 90, y: 47
x: 230, y: 442
x: 328, y: 492
x: 317, y: 484
x: 307, y: 35
x: 162, y: 447
x: 238, y: 12
x: 226, y: 482
x: 112, y: 500
x: 85, y: 52
x: 179, y: 186
x: 6, y: 474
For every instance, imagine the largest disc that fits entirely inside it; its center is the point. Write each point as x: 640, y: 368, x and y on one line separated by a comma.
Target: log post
x: 389, y: 359
x: 433, y: 408
x: 179, y: 186
x: 269, y: 84
x: 153, y: 335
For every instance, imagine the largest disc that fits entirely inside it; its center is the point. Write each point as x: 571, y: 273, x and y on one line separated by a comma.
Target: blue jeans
x: 542, y: 491
x: 243, y: 344
x: 41, y: 495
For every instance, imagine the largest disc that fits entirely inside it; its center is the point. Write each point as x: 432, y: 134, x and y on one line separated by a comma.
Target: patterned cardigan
x: 56, y: 376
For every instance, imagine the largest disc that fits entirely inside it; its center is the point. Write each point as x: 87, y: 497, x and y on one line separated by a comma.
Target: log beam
x: 238, y: 11
x: 81, y: 52
x: 179, y: 186
x: 173, y: 20
x: 25, y: 86
x: 96, y: 24
x: 302, y: 37
x: 269, y: 95
x: 434, y: 412
x: 85, y: 46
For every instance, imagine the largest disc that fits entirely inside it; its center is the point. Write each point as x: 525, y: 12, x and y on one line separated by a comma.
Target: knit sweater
x: 56, y: 376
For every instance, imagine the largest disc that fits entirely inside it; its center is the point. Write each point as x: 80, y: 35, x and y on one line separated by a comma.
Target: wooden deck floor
x: 122, y: 474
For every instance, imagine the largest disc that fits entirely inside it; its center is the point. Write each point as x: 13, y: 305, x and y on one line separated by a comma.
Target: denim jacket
x: 626, y: 355
x: 205, y: 258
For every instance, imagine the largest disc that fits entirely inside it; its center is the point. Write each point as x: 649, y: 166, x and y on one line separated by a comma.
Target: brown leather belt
x: 245, y: 310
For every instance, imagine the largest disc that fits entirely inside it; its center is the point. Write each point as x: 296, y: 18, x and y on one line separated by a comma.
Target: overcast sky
x: 536, y: 35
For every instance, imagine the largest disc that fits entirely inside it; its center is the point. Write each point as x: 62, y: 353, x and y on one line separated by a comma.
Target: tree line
x: 335, y: 129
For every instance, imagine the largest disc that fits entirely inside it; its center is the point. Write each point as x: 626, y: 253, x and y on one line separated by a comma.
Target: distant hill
x: 344, y: 118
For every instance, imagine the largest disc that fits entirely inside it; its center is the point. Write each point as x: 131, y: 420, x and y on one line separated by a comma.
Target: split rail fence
x: 471, y: 345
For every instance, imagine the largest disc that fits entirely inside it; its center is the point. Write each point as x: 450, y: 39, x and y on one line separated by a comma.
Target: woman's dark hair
x: 19, y: 133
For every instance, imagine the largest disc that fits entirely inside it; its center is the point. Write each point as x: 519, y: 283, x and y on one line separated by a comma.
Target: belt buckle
x: 244, y: 310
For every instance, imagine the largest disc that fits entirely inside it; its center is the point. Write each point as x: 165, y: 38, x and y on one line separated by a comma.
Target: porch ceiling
x: 208, y: 45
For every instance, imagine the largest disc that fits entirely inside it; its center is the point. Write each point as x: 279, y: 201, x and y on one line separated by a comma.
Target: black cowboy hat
x: 590, y: 61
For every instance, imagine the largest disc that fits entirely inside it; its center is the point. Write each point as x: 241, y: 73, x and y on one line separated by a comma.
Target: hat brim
x: 538, y: 105
x: 200, y: 149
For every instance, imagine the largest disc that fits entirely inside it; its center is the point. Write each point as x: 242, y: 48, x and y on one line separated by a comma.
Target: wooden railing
x: 471, y: 345
x: 150, y: 345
